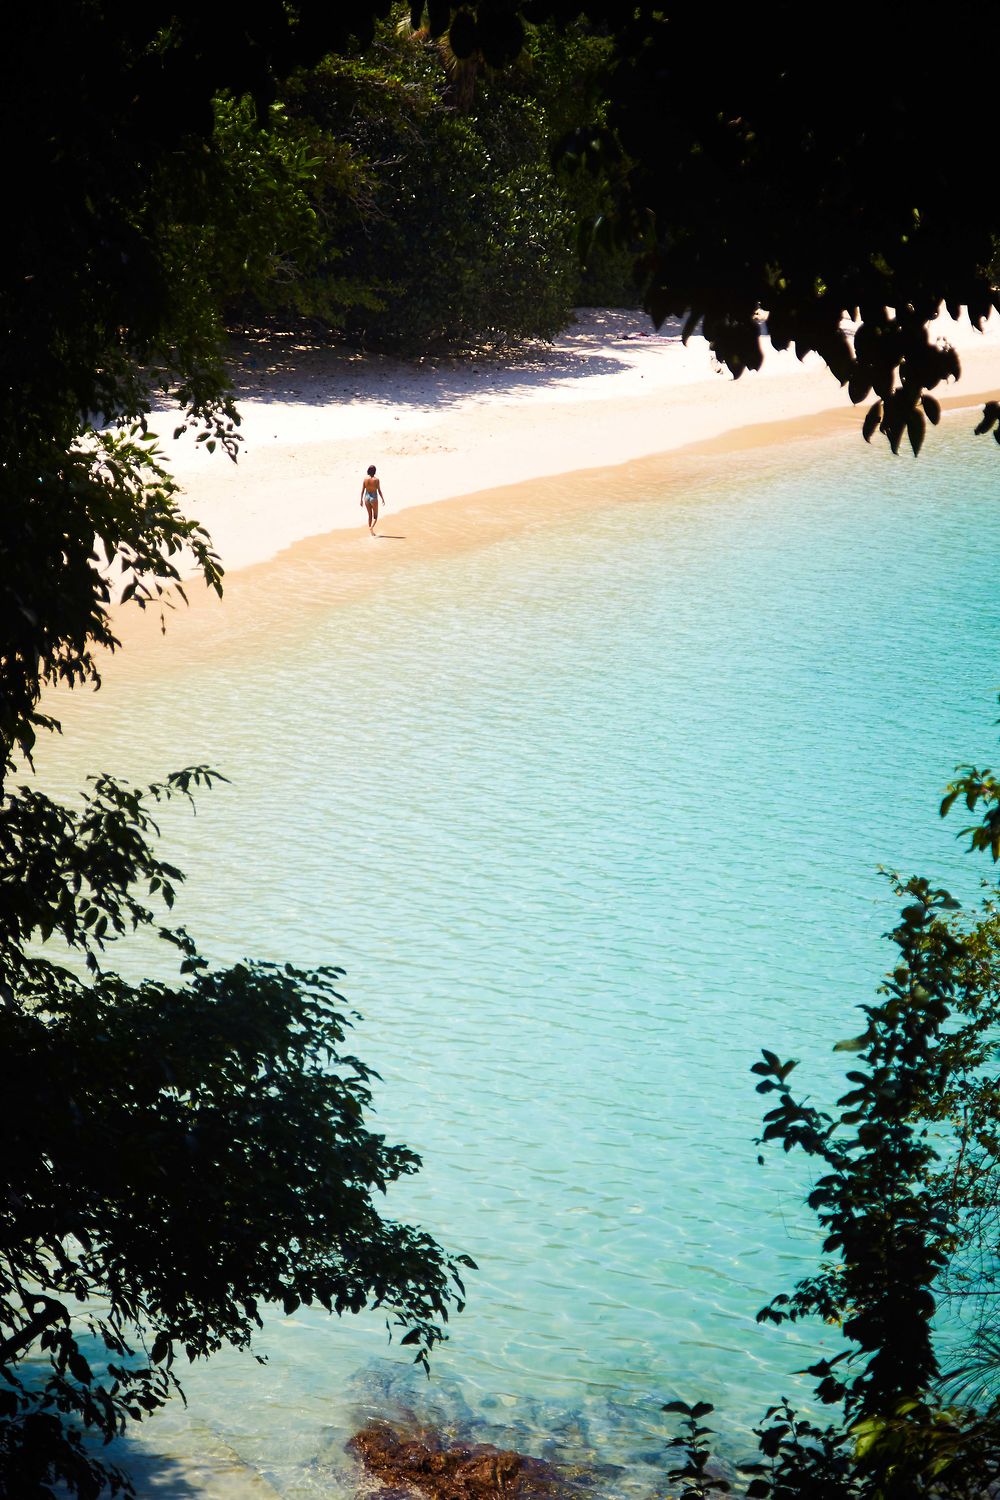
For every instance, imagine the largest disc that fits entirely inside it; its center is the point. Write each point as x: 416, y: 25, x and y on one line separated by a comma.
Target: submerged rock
x: 453, y: 1470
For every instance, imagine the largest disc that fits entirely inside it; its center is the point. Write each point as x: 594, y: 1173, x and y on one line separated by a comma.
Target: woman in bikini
x: 371, y: 494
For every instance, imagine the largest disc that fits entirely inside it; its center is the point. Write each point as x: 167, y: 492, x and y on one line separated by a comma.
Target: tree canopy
x: 455, y: 231
x: 816, y: 182
x: 165, y: 162
x: 761, y: 162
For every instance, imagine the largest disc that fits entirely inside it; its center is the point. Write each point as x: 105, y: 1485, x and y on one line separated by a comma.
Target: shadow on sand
x: 157, y: 1474
x: 278, y: 367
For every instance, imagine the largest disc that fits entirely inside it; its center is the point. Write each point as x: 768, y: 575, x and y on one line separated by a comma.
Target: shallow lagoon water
x: 589, y: 816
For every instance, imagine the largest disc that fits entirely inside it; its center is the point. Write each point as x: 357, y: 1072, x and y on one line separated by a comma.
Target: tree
x: 762, y: 164
x: 178, y: 1155
x: 113, y: 283
x: 458, y: 231
x: 179, y: 1152
x: 432, y: 210
x: 892, y: 1199
x: 908, y: 1198
x: 906, y: 1188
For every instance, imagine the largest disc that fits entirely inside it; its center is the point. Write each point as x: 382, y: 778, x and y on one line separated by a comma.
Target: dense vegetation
x: 455, y: 231
x: 423, y: 206
x: 180, y: 1152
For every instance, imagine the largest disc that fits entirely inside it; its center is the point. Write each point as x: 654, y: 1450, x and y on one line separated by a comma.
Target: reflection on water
x: 589, y: 815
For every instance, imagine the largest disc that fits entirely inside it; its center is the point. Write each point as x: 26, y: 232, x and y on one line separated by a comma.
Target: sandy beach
x: 469, y: 452
x: 610, y: 391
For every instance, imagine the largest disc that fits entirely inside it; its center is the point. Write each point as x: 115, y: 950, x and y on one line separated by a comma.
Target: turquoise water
x: 589, y: 816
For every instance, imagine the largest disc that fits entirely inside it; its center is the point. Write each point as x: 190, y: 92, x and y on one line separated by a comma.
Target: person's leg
x: 374, y: 511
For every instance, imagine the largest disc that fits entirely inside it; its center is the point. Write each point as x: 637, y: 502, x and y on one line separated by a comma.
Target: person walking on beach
x: 371, y: 494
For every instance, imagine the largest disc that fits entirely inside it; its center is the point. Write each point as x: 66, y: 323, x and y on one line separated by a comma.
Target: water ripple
x: 590, y: 815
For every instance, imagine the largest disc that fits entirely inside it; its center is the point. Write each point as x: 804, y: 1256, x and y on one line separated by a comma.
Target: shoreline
x: 343, y: 564
x: 609, y: 393
x: 479, y: 450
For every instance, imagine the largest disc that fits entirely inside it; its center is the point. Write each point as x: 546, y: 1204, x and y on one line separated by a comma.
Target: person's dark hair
x: 371, y: 468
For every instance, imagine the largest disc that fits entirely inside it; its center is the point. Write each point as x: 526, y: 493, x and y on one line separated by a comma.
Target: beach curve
x: 609, y: 391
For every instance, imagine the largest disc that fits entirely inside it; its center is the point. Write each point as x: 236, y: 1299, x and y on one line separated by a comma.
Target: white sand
x: 609, y: 391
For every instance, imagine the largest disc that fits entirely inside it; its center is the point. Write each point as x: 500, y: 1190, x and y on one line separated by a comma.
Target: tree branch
x: 51, y: 1311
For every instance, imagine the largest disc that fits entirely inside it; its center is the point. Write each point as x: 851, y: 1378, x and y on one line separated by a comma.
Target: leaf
x: 991, y: 415
x: 771, y: 1440
x: 462, y: 34
x: 872, y: 420
x: 660, y: 306
x: 893, y: 424
x: 438, y: 16
x: 162, y: 1345
x: 916, y: 426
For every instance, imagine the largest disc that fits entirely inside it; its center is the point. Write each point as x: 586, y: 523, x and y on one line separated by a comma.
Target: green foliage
x: 974, y: 787
x: 843, y: 218
x: 178, y: 1157
x: 877, y: 1198
x: 565, y: 69
x: 749, y: 171
x: 279, y: 189
x: 799, y: 1457
x: 907, y: 1196
x: 447, y: 222
x: 81, y: 518
x: 893, y: 1216
x: 695, y: 1473
x: 457, y: 229
x: 179, y: 1154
